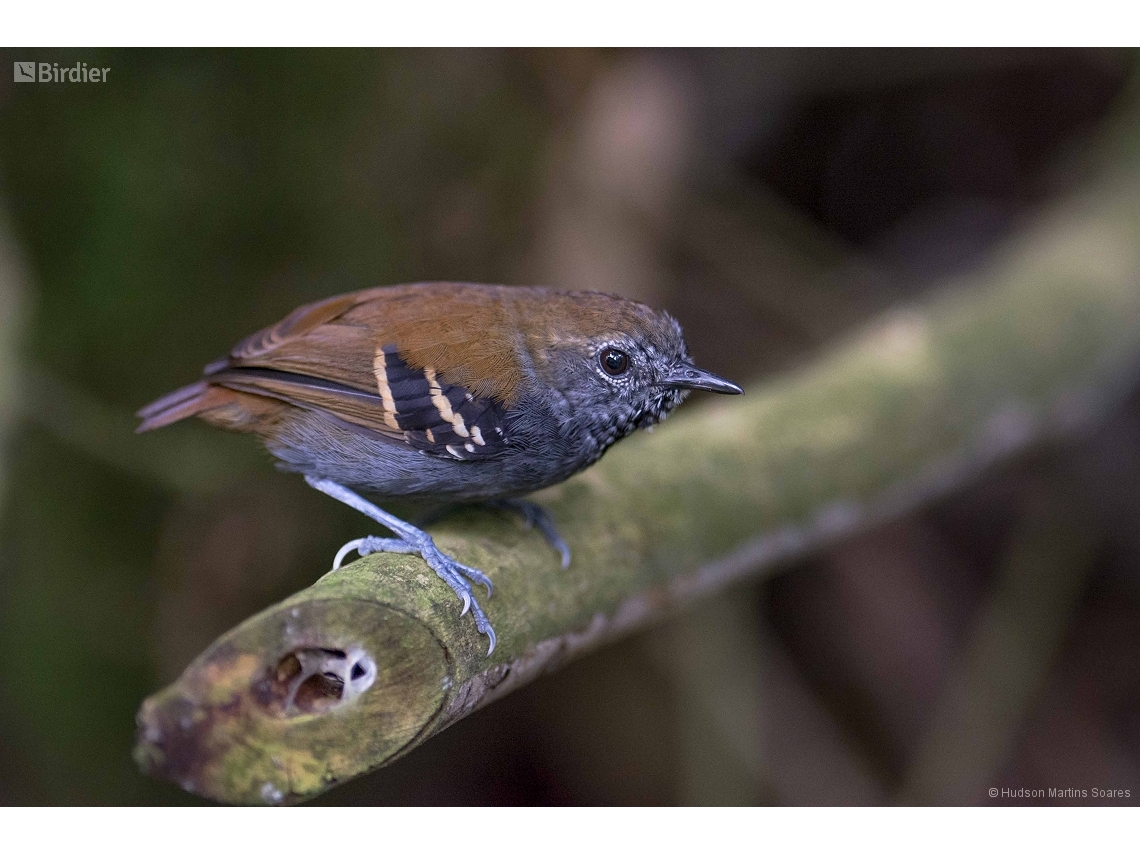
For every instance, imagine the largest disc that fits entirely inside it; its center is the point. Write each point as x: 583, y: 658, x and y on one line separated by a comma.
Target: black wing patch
x: 436, y: 417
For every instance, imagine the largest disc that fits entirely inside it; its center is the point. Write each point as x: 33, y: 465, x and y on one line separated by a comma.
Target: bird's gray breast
x: 315, y: 443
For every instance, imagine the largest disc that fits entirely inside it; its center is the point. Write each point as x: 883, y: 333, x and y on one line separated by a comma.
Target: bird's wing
x: 355, y: 357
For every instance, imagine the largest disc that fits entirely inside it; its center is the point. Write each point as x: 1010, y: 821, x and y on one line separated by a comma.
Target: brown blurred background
x: 773, y: 200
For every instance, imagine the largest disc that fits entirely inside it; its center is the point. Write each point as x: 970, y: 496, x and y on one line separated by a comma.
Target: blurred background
x: 772, y: 200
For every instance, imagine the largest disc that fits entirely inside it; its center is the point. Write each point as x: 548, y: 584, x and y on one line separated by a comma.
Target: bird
x: 450, y: 392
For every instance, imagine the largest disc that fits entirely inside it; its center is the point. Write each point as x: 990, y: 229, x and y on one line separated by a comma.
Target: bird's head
x: 618, y: 364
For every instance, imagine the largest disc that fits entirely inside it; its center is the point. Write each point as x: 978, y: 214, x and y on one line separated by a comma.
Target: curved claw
x: 478, y: 576
x: 534, y: 516
x: 344, y: 550
x: 491, y: 636
x: 466, y: 603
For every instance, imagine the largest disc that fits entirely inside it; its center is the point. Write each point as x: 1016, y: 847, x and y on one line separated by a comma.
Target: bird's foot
x: 456, y: 575
x: 412, y: 541
x: 536, y: 516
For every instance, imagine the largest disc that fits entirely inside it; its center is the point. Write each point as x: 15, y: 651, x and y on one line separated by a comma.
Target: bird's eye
x: 614, y: 362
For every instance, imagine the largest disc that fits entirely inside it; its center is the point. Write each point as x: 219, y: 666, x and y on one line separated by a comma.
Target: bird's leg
x: 536, y: 515
x: 533, y: 515
x: 411, y: 540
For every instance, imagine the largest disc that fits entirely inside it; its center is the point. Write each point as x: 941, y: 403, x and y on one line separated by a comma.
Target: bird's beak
x: 690, y: 377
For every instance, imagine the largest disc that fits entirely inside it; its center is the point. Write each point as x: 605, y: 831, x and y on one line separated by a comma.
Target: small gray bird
x: 449, y: 392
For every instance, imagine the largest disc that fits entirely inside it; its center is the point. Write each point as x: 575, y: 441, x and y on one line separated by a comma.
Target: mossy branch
x: 1040, y: 343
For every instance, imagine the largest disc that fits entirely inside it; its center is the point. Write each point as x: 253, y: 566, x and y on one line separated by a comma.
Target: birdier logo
x: 50, y: 72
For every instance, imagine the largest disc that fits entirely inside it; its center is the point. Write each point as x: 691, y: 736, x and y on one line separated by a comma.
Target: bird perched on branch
x: 448, y: 392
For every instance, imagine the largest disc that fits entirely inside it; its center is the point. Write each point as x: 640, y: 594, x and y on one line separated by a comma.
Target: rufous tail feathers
x: 226, y: 408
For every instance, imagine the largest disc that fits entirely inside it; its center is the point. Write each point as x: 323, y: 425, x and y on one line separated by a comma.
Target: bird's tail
x: 180, y: 404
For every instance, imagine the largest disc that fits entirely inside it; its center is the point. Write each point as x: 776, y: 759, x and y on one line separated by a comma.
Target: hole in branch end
x: 315, y: 680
